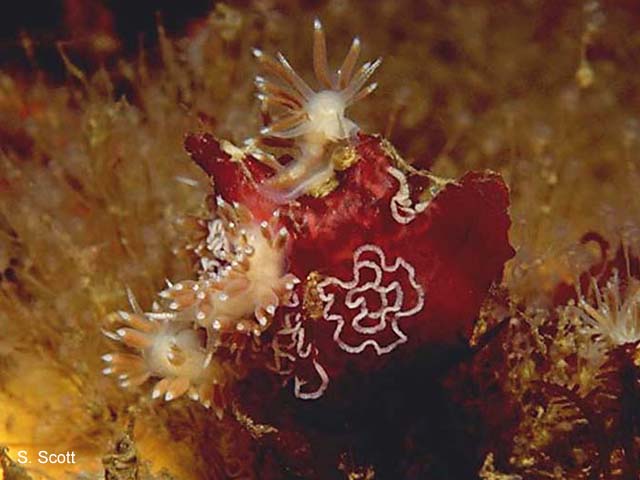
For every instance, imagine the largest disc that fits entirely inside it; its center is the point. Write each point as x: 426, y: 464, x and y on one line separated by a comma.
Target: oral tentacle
x: 359, y: 80
x: 348, y: 65
x: 137, y: 321
x: 134, y: 338
x: 176, y: 388
x: 320, y: 62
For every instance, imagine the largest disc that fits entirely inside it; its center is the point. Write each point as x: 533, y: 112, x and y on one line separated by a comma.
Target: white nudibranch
x: 171, y: 351
x: 243, y: 293
x: 313, y: 118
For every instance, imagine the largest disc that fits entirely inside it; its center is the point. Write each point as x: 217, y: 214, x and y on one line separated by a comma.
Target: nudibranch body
x: 170, y: 350
x: 314, y: 119
x: 244, y: 292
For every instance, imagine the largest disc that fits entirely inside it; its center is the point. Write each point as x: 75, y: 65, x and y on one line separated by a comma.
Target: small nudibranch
x: 244, y: 294
x: 314, y: 118
x: 172, y: 351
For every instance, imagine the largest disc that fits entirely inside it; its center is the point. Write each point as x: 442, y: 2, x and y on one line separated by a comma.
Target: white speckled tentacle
x: 243, y: 294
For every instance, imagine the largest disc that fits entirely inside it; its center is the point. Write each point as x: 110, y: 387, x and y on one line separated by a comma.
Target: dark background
x: 122, y: 26
x: 47, y: 17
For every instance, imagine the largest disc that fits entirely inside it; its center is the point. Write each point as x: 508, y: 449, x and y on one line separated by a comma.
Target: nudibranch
x: 315, y: 119
x: 243, y: 293
x: 172, y: 351
x: 233, y: 301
